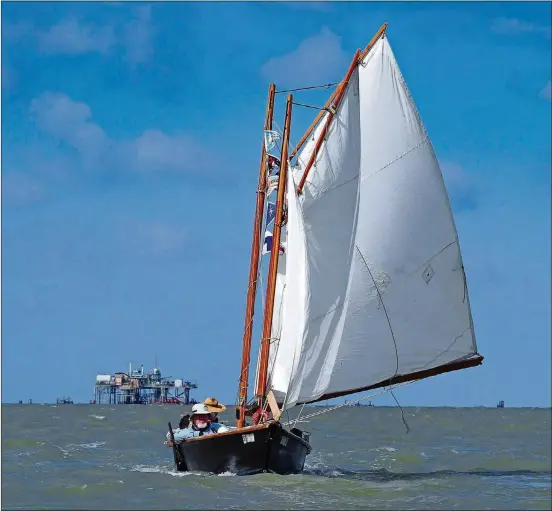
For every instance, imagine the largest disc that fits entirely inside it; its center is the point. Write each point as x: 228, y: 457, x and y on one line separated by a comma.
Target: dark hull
x: 266, y: 448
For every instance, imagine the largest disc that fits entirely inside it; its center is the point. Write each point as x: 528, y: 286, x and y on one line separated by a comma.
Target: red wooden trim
x: 333, y: 109
x: 373, y: 41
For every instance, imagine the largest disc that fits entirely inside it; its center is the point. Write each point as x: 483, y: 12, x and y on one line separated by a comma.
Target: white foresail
x: 375, y: 286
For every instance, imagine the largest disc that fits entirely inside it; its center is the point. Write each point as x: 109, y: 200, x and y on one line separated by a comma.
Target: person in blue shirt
x: 201, y: 425
x: 183, y: 424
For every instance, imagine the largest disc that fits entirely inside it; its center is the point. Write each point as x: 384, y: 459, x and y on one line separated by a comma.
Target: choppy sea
x: 113, y: 457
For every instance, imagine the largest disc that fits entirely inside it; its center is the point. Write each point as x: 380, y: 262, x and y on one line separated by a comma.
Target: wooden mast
x: 254, y: 266
x: 274, y: 255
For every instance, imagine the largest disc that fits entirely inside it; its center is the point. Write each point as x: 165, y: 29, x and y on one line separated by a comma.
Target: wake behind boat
x: 365, y: 288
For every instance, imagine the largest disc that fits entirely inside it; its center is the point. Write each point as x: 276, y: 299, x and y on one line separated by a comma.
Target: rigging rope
x: 310, y: 106
x: 327, y: 86
x: 347, y: 404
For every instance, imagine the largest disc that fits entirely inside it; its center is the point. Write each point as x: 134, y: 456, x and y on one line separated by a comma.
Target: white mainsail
x: 374, y: 281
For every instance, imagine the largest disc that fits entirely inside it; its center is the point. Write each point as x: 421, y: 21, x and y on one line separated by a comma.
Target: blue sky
x: 130, y: 143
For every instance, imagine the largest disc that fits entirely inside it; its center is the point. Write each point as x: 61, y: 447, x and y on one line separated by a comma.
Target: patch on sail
x: 428, y: 274
x: 248, y: 438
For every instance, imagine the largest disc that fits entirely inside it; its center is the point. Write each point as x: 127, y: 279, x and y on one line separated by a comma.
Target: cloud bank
x: 71, y: 123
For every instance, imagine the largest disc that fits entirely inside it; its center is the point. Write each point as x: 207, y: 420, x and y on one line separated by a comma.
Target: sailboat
x: 366, y: 287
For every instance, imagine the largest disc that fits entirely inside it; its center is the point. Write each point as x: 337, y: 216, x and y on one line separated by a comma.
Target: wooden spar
x: 373, y: 41
x: 254, y: 266
x: 403, y: 378
x: 274, y: 256
x: 331, y: 113
x: 336, y: 97
x: 314, y: 123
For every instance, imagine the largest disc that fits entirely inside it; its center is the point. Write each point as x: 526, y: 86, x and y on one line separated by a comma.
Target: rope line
x: 392, y: 336
x: 315, y: 414
x: 327, y: 86
x: 311, y: 106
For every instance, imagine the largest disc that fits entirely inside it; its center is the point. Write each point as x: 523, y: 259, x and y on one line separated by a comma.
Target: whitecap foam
x: 384, y: 448
x: 91, y: 445
x: 144, y: 468
x: 156, y: 469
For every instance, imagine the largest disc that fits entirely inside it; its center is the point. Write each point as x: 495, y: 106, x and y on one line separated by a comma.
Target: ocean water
x: 113, y: 457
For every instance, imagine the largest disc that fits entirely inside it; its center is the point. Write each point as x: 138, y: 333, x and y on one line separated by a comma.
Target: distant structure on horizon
x: 137, y: 387
x: 64, y: 401
x: 500, y: 404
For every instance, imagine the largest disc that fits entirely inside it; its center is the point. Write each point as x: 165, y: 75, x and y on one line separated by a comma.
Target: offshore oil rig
x: 139, y: 388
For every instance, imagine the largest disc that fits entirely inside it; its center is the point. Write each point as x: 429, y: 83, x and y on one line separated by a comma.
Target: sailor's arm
x: 175, y: 431
x: 183, y: 434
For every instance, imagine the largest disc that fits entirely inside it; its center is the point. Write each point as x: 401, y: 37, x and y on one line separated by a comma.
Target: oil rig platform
x: 137, y: 387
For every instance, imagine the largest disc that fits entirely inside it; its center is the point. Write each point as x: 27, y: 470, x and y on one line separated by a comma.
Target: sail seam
x: 414, y: 272
x: 428, y: 261
x: 360, y: 174
x: 406, y: 153
x: 445, y: 350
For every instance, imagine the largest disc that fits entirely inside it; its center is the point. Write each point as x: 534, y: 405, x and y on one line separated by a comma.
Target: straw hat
x: 213, y: 405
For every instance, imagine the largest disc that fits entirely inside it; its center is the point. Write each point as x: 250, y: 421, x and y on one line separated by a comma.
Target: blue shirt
x: 183, y: 434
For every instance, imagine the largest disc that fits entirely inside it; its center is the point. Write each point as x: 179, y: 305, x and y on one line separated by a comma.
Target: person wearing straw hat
x: 214, y: 408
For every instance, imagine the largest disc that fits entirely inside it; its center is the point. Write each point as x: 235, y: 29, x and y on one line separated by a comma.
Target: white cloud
x: 516, y: 26
x: 73, y: 37
x: 71, y: 122
x: 546, y: 92
x: 317, y: 59
x: 154, y: 150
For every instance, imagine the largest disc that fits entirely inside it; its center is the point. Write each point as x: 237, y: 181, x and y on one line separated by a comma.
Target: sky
x: 131, y: 137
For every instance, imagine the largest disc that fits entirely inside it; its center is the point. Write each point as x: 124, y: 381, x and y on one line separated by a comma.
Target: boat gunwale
x: 246, y: 430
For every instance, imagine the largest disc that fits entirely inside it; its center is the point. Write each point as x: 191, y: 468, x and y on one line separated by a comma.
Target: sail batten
x: 374, y: 289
